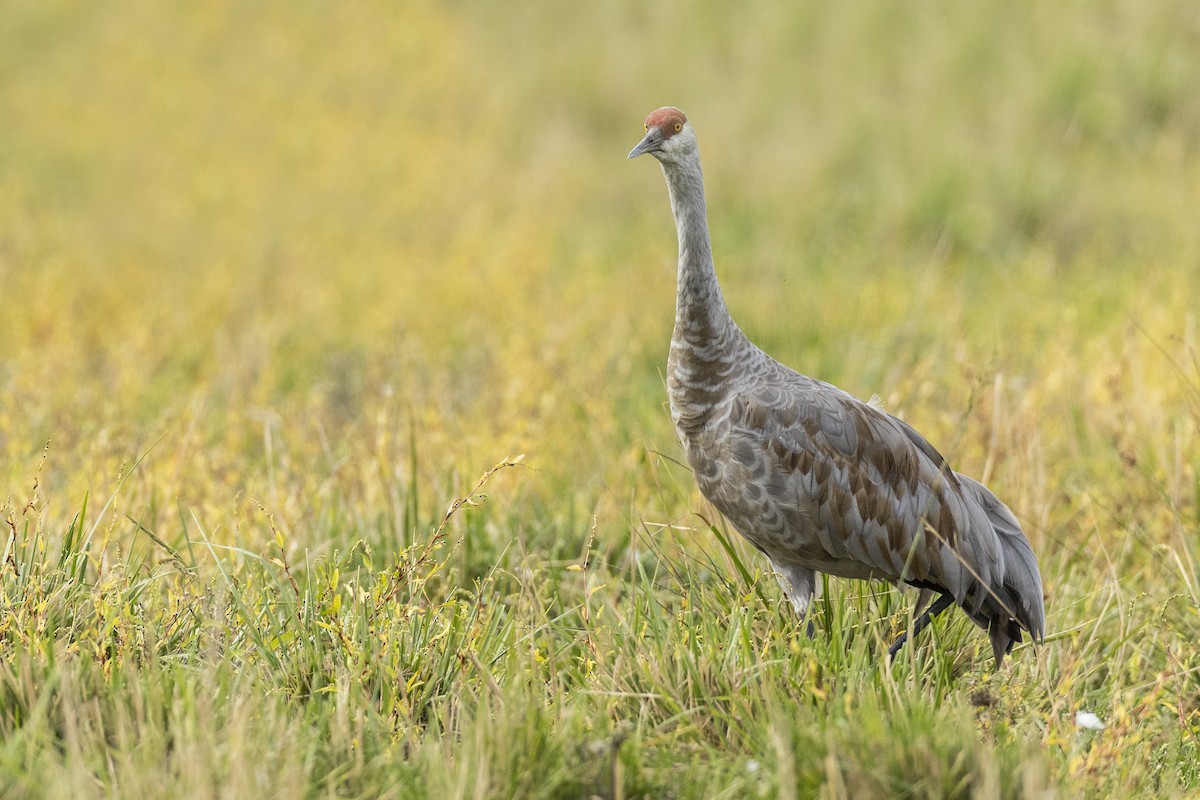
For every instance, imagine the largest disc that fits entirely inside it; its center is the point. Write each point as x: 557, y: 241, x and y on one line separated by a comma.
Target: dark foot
x: 943, y: 602
x: 896, y: 645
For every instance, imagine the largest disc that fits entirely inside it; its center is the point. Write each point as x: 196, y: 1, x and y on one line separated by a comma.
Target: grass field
x: 333, y: 437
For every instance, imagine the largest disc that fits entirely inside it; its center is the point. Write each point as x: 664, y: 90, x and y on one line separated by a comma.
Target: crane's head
x: 669, y: 137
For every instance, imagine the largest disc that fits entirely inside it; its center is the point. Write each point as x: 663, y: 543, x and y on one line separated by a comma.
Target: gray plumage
x: 814, y: 478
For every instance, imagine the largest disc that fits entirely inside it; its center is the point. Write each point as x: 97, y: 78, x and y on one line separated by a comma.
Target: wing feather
x: 1022, y: 580
x: 820, y: 481
x: 865, y: 487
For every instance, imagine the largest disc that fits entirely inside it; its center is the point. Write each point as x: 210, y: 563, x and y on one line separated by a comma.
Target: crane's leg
x: 800, y: 585
x: 943, y: 602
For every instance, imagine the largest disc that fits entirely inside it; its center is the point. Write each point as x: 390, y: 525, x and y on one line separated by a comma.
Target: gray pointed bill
x: 649, y: 143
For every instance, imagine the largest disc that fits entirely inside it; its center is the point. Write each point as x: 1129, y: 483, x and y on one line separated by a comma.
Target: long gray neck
x: 707, y: 348
x: 700, y: 313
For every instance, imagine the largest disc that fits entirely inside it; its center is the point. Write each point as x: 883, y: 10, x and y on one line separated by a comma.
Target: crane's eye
x: 645, y: 127
x: 678, y: 127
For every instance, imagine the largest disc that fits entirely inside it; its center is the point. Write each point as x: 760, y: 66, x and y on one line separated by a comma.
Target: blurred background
x: 313, y: 254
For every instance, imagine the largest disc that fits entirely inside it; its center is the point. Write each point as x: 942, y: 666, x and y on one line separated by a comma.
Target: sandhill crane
x: 816, y: 479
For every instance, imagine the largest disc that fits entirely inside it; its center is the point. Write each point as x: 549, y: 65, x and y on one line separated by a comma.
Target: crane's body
x: 816, y: 479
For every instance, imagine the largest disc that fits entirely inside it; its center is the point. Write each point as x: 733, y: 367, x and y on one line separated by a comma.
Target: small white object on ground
x: 1088, y: 720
